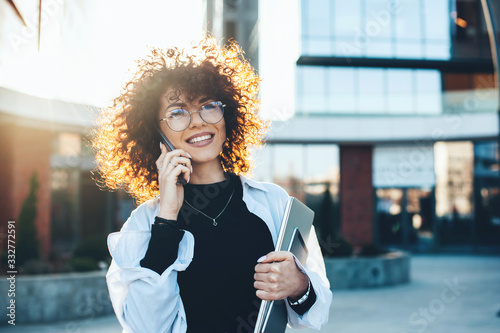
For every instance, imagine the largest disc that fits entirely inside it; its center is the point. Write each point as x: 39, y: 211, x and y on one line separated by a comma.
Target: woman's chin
x: 204, y: 159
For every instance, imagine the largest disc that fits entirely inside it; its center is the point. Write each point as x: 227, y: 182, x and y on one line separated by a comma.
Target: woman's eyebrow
x: 178, y: 104
x: 204, y: 99
x: 183, y: 105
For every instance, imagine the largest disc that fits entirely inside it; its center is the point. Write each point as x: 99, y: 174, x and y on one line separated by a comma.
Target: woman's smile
x: 201, y: 139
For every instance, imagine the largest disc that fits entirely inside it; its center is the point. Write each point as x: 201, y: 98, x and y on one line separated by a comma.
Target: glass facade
x: 376, y: 29
x: 299, y: 168
x: 65, y: 187
x: 404, y: 216
x: 487, y: 191
x: 463, y: 208
x: 381, y: 91
x: 309, y: 172
x: 469, y: 33
x: 427, y: 30
x: 462, y: 205
x: 79, y: 208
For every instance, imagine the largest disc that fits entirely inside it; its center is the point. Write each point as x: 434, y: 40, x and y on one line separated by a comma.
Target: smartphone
x: 170, y: 147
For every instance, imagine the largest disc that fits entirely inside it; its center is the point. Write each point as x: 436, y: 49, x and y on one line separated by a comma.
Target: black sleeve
x: 163, y: 246
x: 304, y: 307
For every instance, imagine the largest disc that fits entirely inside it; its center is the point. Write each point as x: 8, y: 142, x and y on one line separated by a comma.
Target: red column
x: 25, y: 150
x: 356, y: 194
x: 6, y: 182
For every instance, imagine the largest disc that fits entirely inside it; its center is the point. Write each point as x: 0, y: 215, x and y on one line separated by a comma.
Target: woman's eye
x: 209, y: 106
x: 176, y: 113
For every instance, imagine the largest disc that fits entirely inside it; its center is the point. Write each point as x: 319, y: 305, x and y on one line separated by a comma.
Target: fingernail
x: 191, y: 169
x: 261, y: 259
x: 189, y: 155
x: 161, y: 146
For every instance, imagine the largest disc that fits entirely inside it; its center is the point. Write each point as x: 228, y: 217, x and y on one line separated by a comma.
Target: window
x: 342, y: 90
x: 428, y: 91
x: 400, y: 90
x: 376, y: 28
x: 371, y: 90
x: 313, y: 83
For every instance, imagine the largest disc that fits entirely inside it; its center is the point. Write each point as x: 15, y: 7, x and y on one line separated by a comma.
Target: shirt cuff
x: 302, y: 308
x: 163, y: 245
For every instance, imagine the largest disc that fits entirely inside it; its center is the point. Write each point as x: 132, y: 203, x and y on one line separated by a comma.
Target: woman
x: 198, y: 257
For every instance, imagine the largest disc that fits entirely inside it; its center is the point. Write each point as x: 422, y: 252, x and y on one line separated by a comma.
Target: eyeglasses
x: 179, y: 119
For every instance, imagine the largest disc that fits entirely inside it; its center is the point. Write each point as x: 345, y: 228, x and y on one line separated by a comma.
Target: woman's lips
x: 201, y: 140
x: 198, y: 135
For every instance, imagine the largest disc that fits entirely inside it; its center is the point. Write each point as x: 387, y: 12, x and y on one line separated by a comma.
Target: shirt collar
x: 253, y: 183
x: 249, y: 182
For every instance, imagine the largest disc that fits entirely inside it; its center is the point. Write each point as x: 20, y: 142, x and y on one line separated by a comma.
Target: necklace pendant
x: 215, y: 222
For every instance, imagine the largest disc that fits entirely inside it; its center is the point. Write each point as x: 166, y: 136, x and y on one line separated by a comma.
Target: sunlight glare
x: 87, y: 47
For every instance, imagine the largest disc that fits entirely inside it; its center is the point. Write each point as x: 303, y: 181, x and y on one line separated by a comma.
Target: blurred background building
x: 396, y: 116
x: 386, y: 112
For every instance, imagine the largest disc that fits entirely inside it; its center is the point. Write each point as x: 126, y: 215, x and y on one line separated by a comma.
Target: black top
x: 217, y: 287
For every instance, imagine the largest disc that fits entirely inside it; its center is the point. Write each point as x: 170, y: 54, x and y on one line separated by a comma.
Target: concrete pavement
x: 447, y: 293
x: 455, y: 294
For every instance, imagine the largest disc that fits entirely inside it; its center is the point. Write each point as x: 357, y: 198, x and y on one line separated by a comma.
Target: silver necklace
x: 212, y: 218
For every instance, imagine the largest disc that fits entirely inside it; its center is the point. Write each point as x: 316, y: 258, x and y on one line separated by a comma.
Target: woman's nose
x: 196, y: 119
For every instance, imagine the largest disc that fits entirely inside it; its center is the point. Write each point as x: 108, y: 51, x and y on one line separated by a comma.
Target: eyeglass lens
x: 179, y: 119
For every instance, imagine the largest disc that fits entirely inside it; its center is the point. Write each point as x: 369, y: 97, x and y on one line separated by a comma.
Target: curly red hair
x: 126, y: 143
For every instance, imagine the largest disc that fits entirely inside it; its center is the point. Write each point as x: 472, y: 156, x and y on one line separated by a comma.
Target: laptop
x: 295, y: 227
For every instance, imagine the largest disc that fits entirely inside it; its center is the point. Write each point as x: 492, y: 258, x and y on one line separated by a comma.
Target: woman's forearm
x: 163, y: 247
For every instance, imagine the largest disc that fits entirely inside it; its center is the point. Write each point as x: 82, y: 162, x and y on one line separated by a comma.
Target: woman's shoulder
x: 270, y: 189
x: 143, y: 216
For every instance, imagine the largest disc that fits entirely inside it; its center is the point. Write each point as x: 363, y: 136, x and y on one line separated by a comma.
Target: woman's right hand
x: 170, y: 165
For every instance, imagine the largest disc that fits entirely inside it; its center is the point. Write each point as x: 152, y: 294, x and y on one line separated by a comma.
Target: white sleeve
x: 317, y: 315
x: 143, y: 300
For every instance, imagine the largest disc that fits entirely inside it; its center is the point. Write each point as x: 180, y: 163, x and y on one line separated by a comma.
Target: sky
x: 279, y: 49
x: 87, y: 46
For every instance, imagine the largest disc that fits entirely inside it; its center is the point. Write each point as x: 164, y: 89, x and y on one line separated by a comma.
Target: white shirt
x: 145, y: 301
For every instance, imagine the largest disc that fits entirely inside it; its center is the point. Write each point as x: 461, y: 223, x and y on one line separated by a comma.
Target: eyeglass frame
x: 219, y: 103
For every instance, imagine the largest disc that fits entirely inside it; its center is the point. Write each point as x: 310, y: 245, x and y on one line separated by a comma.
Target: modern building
x: 395, y: 118
x: 46, y: 137
x: 393, y: 138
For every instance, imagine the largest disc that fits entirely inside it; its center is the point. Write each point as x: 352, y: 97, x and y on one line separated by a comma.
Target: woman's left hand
x: 278, y: 277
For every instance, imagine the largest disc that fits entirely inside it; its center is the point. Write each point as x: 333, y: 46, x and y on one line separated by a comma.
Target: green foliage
x: 94, y: 247
x: 88, y: 253
x: 371, y: 250
x: 342, y: 248
x: 36, y: 267
x: 27, y: 247
x: 83, y: 264
x: 3, y: 261
x: 326, y: 222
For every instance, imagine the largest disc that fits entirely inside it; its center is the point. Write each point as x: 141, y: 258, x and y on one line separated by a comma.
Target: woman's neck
x: 207, y: 173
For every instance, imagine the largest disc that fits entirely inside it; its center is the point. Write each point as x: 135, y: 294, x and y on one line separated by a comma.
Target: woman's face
x: 203, y: 141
